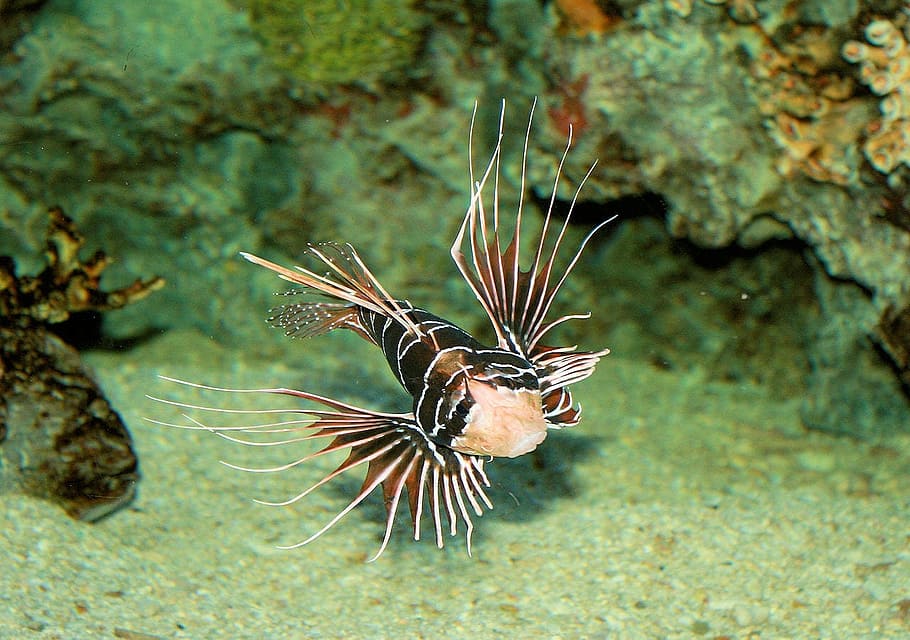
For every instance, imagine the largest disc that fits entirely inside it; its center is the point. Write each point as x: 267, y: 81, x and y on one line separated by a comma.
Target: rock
x: 59, y: 438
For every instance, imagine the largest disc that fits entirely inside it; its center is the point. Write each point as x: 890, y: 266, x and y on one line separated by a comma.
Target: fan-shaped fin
x: 516, y: 300
x: 347, y: 279
x: 399, y: 458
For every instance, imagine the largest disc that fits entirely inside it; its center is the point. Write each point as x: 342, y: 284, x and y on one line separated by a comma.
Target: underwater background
x: 742, y: 468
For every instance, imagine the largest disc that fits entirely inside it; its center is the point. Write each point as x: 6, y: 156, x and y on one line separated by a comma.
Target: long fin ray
x: 516, y: 300
x: 348, y: 279
x: 400, y: 458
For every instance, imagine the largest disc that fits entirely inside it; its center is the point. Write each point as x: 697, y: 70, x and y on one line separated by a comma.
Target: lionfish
x: 471, y: 402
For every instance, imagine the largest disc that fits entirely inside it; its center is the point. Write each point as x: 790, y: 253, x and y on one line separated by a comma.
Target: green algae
x: 335, y: 42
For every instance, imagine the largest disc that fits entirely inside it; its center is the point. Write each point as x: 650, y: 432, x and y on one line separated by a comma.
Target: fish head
x: 499, y: 402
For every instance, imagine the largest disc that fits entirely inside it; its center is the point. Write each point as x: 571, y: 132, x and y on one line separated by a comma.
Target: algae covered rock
x: 60, y: 439
x: 324, y: 42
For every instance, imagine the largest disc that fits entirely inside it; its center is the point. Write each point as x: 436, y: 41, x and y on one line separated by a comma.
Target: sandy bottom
x: 677, y: 509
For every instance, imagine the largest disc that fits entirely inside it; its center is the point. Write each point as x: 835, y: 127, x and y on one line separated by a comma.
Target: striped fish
x: 471, y: 402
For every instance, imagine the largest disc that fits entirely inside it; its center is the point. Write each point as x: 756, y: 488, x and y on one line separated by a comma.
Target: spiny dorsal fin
x: 516, y: 300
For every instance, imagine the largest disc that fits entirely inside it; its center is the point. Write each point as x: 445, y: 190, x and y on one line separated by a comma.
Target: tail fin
x: 348, y: 282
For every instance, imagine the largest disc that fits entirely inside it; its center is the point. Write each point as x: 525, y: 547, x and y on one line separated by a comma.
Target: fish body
x: 471, y: 402
x: 475, y: 399
x: 457, y: 384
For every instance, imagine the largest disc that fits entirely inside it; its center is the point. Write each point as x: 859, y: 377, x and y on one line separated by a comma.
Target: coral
x: 220, y: 155
x: 748, y: 133
x: 319, y: 42
x: 885, y: 69
x: 742, y: 11
x: 811, y: 111
x: 59, y: 438
x: 67, y: 285
x: 586, y: 17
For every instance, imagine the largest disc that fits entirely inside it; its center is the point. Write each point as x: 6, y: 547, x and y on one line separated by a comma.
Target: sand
x: 677, y: 509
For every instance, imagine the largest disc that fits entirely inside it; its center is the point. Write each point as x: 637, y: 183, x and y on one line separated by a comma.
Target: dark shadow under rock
x: 851, y: 388
x: 14, y: 20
